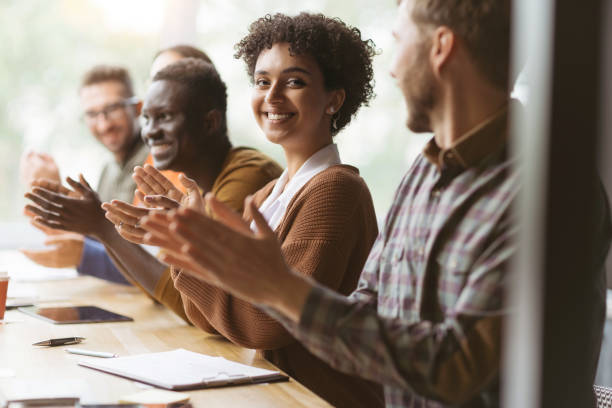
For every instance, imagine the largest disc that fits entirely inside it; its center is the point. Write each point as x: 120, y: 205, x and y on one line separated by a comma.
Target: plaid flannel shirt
x: 426, y: 318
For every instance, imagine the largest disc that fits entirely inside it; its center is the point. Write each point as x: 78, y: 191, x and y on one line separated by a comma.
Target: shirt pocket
x: 399, y: 280
x: 454, y: 271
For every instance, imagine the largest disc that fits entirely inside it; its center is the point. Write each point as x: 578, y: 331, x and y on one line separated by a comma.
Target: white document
x: 183, y: 370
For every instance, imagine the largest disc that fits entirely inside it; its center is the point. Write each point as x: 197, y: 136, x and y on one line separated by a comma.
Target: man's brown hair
x: 105, y: 73
x: 483, y: 25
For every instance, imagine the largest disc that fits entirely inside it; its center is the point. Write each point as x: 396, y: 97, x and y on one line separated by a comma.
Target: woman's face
x: 289, y: 100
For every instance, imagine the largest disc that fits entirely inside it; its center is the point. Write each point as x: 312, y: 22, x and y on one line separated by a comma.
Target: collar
x: 472, y: 147
x: 275, y: 205
x: 326, y: 157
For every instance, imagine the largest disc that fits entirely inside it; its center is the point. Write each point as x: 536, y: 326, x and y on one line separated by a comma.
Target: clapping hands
x: 223, y: 251
x: 158, y: 195
x: 57, y: 207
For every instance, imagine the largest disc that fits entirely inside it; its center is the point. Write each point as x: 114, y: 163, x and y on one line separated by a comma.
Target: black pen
x: 60, y: 342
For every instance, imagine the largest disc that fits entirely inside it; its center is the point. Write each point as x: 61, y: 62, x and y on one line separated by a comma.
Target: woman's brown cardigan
x: 326, y: 234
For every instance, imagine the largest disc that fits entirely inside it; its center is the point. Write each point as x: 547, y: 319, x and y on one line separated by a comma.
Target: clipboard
x: 181, y: 370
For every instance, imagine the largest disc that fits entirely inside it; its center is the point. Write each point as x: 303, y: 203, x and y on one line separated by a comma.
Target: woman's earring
x: 332, y: 111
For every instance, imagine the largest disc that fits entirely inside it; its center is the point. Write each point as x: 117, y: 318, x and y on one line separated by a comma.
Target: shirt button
x: 435, y: 193
x: 421, y: 251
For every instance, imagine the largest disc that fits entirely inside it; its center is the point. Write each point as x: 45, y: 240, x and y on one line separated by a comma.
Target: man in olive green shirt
x: 110, y: 112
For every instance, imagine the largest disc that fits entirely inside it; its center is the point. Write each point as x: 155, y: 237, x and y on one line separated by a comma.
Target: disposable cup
x: 4, y: 280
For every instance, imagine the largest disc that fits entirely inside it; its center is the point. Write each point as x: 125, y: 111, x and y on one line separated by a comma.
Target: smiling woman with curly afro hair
x: 310, y: 75
x: 343, y: 57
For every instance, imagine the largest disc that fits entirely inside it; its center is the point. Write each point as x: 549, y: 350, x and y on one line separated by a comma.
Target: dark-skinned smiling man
x: 426, y: 318
x: 184, y: 125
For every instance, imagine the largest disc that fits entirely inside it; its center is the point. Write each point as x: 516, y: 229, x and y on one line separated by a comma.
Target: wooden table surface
x: 154, y: 329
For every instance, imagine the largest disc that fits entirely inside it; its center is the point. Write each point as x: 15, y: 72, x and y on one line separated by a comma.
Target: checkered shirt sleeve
x: 426, y: 317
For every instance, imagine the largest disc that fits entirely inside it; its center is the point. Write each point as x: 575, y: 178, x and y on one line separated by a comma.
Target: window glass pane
x: 48, y: 46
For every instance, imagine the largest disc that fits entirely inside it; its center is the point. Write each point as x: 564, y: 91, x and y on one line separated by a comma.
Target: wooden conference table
x: 154, y: 329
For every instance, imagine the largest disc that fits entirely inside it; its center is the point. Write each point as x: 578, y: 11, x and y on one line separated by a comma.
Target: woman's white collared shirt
x: 275, y: 206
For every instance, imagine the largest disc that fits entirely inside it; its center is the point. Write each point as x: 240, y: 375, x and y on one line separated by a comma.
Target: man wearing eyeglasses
x: 110, y: 111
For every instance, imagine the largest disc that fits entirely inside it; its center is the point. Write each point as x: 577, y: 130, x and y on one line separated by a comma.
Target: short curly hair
x: 343, y: 57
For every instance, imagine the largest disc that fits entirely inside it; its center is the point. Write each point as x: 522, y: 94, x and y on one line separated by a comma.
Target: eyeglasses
x: 110, y: 112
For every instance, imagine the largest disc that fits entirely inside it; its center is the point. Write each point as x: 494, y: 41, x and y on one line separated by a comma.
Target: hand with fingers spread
x: 50, y: 185
x: 57, y: 210
x: 63, y: 250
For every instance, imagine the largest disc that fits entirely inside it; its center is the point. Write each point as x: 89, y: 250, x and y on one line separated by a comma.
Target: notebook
x: 183, y: 370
